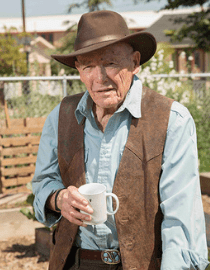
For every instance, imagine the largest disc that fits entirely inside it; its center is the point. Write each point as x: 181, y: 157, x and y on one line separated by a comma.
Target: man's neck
x: 102, y: 116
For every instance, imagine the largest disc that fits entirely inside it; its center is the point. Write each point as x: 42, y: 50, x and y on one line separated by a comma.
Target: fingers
x: 77, y: 199
x: 72, y: 203
x: 78, y: 218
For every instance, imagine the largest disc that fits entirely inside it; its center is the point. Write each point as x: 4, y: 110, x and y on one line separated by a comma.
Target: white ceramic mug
x: 96, y: 195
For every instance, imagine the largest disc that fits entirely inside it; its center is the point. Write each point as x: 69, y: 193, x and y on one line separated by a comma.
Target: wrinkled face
x: 108, y: 73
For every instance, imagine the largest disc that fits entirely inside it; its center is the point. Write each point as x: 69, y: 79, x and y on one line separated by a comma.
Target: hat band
x: 93, y: 41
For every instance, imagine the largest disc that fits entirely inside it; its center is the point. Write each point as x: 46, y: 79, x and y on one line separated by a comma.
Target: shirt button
x: 104, y: 152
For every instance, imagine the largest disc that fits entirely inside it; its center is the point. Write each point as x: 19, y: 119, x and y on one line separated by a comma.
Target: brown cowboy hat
x: 99, y: 29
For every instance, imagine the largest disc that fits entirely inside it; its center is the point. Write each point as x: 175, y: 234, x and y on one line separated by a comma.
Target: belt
x: 108, y: 256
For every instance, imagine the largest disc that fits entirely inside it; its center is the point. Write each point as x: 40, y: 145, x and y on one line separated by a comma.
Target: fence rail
x: 182, y: 75
x: 63, y: 78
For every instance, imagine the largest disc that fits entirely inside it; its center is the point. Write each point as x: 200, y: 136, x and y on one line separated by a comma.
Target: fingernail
x: 89, y: 209
x: 88, y: 218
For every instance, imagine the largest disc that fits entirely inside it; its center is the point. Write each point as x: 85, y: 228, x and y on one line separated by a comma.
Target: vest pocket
x: 53, y: 238
x: 55, y: 234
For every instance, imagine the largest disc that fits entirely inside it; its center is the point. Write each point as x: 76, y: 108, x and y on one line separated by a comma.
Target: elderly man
x: 139, y: 144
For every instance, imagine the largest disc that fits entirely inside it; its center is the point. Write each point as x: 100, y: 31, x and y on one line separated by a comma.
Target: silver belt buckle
x: 110, y: 256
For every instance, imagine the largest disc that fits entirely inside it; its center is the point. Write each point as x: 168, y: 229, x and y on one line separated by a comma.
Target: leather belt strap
x: 87, y: 254
x: 109, y: 256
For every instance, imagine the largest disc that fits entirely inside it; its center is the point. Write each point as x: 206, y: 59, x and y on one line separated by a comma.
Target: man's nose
x: 100, y: 74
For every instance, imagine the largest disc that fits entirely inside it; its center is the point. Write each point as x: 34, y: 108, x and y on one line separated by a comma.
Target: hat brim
x: 143, y: 42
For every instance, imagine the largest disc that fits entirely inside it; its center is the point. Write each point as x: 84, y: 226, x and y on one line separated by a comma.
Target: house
x: 39, y: 55
x: 38, y: 60
x: 199, y: 60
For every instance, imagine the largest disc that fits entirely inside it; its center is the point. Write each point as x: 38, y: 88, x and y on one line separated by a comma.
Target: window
x: 43, y: 35
x: 197, y: 58
x: 48, y: 37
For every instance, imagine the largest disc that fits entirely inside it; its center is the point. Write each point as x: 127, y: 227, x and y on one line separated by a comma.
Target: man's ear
x: 77, y: 65
x: 136, y: 61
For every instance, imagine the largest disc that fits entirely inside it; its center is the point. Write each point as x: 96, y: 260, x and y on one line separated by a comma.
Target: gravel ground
x: 20, y: 254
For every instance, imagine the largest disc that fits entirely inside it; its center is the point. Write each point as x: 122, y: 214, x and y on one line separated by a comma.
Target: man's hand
x: 70, y: 201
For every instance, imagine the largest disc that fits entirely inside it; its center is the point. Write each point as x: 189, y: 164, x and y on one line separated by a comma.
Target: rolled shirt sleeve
x: 183, y: 227
x: 47, y: 177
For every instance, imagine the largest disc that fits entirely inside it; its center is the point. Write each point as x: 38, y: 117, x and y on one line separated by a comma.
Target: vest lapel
x: 71, y: 144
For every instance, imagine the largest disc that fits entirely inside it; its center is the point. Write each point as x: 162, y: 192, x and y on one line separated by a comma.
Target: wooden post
x: 23, y: 16
x: 7, y: 114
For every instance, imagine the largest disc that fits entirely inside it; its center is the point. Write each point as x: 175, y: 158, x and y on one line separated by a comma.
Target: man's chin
x: 109, y: 105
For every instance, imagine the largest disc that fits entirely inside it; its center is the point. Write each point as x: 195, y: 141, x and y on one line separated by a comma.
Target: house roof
x: 44, y: 42
x: 140, y: 19
x: 56, y: 23
x: 40, y: 23
x: 135, y: 20
x: 38, y: 47
x: 170, y: 22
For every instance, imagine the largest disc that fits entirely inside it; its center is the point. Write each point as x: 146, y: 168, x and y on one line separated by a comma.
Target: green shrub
x: 35, y: 104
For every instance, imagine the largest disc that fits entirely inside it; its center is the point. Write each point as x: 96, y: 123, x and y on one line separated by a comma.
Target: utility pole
x: 26, y: 43
x: 23, y: 16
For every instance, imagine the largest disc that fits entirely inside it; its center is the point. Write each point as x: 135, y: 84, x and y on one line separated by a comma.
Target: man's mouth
x: 104, y: 90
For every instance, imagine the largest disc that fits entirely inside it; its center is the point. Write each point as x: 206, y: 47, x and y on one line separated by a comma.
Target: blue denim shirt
x: 183, y: 227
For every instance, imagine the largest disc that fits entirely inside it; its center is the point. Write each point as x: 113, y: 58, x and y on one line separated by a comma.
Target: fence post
x: 64, y: 86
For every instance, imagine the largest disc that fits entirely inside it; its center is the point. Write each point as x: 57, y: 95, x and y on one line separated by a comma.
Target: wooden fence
x: 18, y: 150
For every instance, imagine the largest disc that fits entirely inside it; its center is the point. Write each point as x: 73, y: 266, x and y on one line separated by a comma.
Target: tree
x: 195, y: 26
x: 90, y: 5
x: 12, y: 60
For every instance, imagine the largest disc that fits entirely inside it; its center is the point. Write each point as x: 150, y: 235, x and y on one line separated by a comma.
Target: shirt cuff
x: 47, y: 217
x: 182, y: 259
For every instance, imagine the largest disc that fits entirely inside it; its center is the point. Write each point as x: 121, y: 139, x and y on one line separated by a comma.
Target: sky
x: 12, y: 8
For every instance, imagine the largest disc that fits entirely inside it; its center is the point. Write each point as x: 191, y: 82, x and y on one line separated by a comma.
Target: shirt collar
x: 132, y: 102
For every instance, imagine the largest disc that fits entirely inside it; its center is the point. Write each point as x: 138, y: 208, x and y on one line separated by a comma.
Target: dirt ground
x: 19, y: 253
x: 206, y: 204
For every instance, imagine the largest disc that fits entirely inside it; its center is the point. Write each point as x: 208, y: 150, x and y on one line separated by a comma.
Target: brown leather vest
x: 139, y: 217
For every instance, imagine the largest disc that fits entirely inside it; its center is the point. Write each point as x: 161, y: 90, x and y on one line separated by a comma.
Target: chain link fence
x: 22, y: 97
x: 198, y: 82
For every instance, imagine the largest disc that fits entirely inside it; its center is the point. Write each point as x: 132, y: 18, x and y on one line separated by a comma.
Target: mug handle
x: 117, y: 203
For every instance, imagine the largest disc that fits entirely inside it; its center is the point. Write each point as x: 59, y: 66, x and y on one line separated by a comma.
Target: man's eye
x: 86, y: 67
x: 110, y: 64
